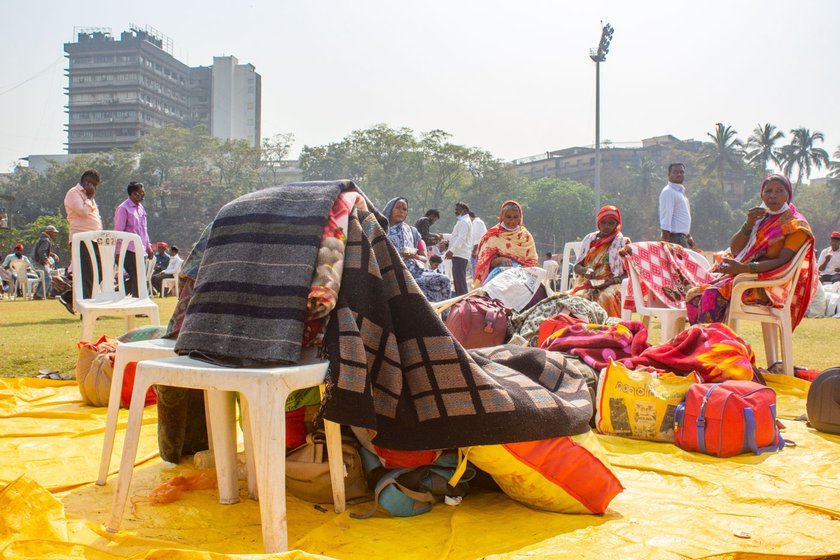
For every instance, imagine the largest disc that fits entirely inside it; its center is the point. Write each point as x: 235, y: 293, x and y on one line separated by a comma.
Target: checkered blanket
x: 395, y: 368
x: 666, y: 270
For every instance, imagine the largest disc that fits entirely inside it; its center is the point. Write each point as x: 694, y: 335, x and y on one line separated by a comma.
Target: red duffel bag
x: 728, y: 419
x: 478, y: 322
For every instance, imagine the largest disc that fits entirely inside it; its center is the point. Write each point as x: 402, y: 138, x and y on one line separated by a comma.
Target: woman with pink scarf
x: 767, y: 242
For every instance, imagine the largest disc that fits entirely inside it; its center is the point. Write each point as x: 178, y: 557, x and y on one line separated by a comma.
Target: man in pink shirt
x: 130, y: 216
x: 82, y: 216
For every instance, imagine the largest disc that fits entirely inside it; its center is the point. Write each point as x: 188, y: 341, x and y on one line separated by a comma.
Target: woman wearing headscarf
x: 599, y: 269
x: 412, y: 249
x: 506, y: 244
x: 771, y: 236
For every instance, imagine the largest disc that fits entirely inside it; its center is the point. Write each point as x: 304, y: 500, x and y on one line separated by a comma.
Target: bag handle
x: 749, y: 435
x: 701, y: 420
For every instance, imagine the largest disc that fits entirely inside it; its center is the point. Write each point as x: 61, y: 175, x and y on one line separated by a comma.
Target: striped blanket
x: 395, y: 368
x: 249, y: 301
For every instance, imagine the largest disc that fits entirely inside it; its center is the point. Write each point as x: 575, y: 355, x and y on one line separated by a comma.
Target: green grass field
x: 36, y: 335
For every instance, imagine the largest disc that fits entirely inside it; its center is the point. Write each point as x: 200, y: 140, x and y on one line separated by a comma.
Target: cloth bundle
x: 395, y: 369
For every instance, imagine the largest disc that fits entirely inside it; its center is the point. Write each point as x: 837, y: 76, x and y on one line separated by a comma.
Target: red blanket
x: 713, y: 351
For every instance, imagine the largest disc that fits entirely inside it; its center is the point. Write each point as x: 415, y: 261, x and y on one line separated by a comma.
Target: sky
x: 513, y: 78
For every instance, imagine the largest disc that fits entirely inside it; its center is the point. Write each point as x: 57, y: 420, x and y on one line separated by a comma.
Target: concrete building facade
x: 120, y: 89
x: 235, y: 100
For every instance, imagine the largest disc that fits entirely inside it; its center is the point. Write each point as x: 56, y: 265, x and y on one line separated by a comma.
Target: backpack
x: 728, y: 419
x: 412, y: 491
x: 478, y: 322
x: 823, y: 403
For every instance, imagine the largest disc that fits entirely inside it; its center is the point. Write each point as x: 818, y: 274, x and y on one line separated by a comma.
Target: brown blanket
x: 395, y: 368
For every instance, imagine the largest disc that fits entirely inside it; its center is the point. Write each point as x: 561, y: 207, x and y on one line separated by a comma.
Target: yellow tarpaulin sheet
x: 676, y: 504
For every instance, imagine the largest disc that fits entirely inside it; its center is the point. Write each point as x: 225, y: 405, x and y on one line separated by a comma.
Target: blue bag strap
x: 701, y: 420
x: 749, y: 434
x: 404, y: 502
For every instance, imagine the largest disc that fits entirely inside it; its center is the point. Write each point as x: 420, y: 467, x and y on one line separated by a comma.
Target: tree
x: 803, y: 154
x: 712, y: 220
x: 762, y: 148
x: 723, y: 153
x: 557, y: 211
x: 275, y: 150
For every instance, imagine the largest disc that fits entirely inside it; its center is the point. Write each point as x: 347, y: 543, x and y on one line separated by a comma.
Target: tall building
x: 235, y: 100
x: 120, y: 89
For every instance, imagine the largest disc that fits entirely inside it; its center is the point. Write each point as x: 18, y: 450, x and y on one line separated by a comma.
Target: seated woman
x: 599, y: 268
x: 412, y: 249
x: 772, y: 234
x: 506, y: 244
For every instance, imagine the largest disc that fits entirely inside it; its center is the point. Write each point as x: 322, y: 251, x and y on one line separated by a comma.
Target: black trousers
x: 459, y: 275
x: 87, y: 268
x: 680, y: 239
x: 130, y: 267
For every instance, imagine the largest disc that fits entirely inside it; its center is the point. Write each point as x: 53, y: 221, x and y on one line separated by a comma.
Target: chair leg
x: 668, y: 328
x: 250, y: 465
x: 87, y: 327
x: 154, y: 316
x: 111, y: 419
x: 223, y: 415
x: 787, y: 346
x: 335, y: 456
x: 267, y: 411
x: 769, y: 330
x: 132, y: 438
x: 129, y: 323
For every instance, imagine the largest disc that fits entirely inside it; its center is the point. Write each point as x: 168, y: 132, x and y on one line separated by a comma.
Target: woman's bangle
x: 753, y: 267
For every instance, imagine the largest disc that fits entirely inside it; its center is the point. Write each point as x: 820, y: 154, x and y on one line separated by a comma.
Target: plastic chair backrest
x: 109, y: 282
x: 568, y: 248
x: 19, y: 268
x: 790, y: 275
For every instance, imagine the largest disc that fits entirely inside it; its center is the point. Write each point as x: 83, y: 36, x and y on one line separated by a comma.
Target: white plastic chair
x: 20, y: 281
x: 671, y: 320
x: 126, y: 353
x: 264, y: 392
x: 108, y: 297
x: 568, y: 248
x: 171, y: 284
x: 552, y: 268
x: 774, y: 320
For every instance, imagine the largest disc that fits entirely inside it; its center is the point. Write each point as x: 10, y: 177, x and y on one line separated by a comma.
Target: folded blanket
x: 395, y: 368
x: 249, y: 302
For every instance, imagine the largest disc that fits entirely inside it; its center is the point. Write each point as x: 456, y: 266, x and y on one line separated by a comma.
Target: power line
x: 36, y: 75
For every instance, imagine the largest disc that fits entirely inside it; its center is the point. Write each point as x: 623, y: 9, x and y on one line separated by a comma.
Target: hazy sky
x: 511, y: 77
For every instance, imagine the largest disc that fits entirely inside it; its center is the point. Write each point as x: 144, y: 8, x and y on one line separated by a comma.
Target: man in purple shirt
x: 130, y: 216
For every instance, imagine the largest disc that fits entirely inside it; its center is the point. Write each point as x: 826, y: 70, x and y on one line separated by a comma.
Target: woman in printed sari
x: 599, y: 268
x: 769, y: 239
x: 412, y: 249
x: 506, y: 244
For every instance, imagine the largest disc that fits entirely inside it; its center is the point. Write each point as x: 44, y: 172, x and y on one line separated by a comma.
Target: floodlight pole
x: 598, y: 56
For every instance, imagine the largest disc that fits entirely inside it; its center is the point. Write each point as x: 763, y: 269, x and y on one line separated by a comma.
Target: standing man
x: 425, y: 223
x: 460, y: 248
x: 41, y: 255
x: 130, y: 216
x: 829, y: 261
x: 674, y: 211
x: 478, y: 230
x: 83, y: 215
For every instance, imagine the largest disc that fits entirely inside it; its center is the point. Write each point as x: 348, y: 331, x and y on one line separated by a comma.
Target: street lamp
x: 598, y: 56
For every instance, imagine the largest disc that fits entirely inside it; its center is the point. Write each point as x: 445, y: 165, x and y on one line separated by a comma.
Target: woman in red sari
x: 599, y: 269
x: 769, y: 239
x: 506, y: 244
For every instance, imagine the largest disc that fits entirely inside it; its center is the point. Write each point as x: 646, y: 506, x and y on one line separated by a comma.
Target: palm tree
x: 802, y: 154
x: 762, y: 146
x: 834, y: 166
x: 724, y: 153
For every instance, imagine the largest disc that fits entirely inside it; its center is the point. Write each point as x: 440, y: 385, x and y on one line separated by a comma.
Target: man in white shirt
x: 674, y: 211
x: 829, y: 261
x: 460, y: 247
x: 551, y: 268
x: 478, y: 231
x: 173, y: 268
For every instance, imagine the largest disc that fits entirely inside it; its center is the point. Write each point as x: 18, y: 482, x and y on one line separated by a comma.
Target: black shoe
x: 68, y: 305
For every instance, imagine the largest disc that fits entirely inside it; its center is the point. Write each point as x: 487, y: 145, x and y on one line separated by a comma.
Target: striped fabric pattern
x: 249, y: 302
